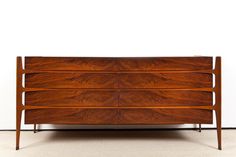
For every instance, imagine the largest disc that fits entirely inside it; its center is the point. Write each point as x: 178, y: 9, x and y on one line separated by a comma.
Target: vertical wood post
x: 19, y: 72
x: 217, y: 106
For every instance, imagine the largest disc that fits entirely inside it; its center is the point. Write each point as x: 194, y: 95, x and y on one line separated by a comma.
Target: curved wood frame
x: 217, y: 89
x: 217, y: 106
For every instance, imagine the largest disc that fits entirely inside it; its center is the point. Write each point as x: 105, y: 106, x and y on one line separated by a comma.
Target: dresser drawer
x: 166, y: 63
x: 165, y: 80
x: 122, y: 116
x: 164, y: 116
x: 70, y: 63
x: 149, y: 98
x: 70, y: 80
x: 123, y: 63
x: 72, y: 97
x: 71, y: 116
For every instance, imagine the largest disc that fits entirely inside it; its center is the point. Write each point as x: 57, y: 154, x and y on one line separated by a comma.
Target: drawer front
x: 71, y: 116
x: 150, y: 98
x: 164, y: 116
x: 89, y: 98
x: 165, y: 80
x: 166, y: 63
x: 70, y: 80
x: 122, y: 98
x: 138, y: 116
x: 70, y: 63
x: 104, y: 63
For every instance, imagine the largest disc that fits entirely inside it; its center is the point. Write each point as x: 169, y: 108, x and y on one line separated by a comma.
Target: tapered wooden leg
x: 200, y: 128
x: 217, y: 106
x: 18, y: 125
x: 218, y: 123
x: 34, y: 128
x: 19, y: 106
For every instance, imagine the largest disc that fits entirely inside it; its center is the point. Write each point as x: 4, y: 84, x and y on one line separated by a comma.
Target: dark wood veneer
x: 72, y: 97
x: 140, y: 98
x: 165, y: 80
x: 115, y: 64
x: 111, y: 116
x: 122, y: 91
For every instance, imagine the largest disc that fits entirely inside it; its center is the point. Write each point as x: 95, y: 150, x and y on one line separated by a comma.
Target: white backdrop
x: 116, y: 28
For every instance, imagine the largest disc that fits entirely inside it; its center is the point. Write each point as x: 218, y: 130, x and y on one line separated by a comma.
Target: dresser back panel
x: 118, y: 90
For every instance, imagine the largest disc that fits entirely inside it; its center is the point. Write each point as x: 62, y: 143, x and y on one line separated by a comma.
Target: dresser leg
x: 19, y: 105
x: 18, y: 127
x: 34, y: 128
x: 218, y: 123
x: 217, y: 106
x: 200, y: 128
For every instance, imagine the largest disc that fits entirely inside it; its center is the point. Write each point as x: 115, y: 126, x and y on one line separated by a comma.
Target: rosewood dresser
x: 118, y: 91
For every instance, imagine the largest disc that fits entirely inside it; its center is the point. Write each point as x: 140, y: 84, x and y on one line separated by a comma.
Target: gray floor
x: 182, y: 143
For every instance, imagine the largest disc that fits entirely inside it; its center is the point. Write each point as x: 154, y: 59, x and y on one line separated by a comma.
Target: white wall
x: 116, y: 28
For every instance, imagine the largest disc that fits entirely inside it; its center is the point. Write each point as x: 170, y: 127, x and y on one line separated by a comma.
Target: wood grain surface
x: 166, y: 63
x: 122, y: 63
x: 164, y: 98
x: 90, y: 98
x: 122, y: 82
x: 164, y: 116
x: 70, y: 80
x: 96, y: 98
x: 165, y: 80
x: 118, y: 116
x: 70, y: 63
x: 71, y: 116
x: 127, y: 80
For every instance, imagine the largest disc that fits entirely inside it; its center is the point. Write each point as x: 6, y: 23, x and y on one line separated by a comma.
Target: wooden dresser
x: 118, y: 91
